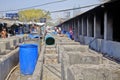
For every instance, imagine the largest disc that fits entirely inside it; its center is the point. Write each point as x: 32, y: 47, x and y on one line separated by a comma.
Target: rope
x: 7, y: 78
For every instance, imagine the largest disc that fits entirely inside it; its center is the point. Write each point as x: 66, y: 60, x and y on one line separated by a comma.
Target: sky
x: 17, y: 4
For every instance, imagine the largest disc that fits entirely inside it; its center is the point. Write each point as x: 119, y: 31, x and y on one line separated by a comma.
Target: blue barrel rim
x: 28, y: 45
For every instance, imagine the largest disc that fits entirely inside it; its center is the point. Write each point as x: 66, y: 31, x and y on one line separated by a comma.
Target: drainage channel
x: 51, y: 67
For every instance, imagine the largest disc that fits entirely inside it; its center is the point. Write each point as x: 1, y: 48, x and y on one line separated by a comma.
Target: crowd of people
x: 62, y: 33
x: 23, y: 29
x: 12, y: 30
x: 16, y: 29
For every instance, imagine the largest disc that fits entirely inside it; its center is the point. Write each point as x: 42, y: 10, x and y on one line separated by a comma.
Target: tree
x: 33, y: 15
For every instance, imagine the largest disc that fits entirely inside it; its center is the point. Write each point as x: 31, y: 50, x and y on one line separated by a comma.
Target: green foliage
x: 33, y: 15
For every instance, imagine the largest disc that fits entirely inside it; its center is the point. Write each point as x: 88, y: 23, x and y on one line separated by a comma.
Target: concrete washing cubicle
x: 78, y: 63
x: 9, y: 54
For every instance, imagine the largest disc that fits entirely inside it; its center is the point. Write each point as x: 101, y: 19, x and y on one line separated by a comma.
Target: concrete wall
x: 87, y: 40
x: 81, y: 39
x: 96, y: 45
x: 7, y: 62
x: 111, y: 48
x: 37, y: 74
x: 68, y: 48
x: 3, y: 47
x: 93, y: 72
x: 9, y: 55
x: 61, y: 44
x: 77, y: 57
x: 71, y: 55
x: 77, y: 54
x: 93, y: 43
x: 10, y: 43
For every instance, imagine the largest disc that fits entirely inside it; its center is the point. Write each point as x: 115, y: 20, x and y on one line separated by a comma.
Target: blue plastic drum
x: 28, y: 55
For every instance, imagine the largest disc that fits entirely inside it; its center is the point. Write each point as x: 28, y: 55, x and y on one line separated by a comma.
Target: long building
x: 99, y: 28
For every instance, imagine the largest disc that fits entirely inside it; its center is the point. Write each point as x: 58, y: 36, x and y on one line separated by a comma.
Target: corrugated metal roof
x: 90, y: 8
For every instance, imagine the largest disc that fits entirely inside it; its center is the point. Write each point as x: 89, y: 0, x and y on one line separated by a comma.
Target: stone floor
x: 51, y: 68
x: 51, y: 72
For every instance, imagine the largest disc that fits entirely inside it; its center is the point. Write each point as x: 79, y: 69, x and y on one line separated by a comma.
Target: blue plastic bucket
x: 28, y: 55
